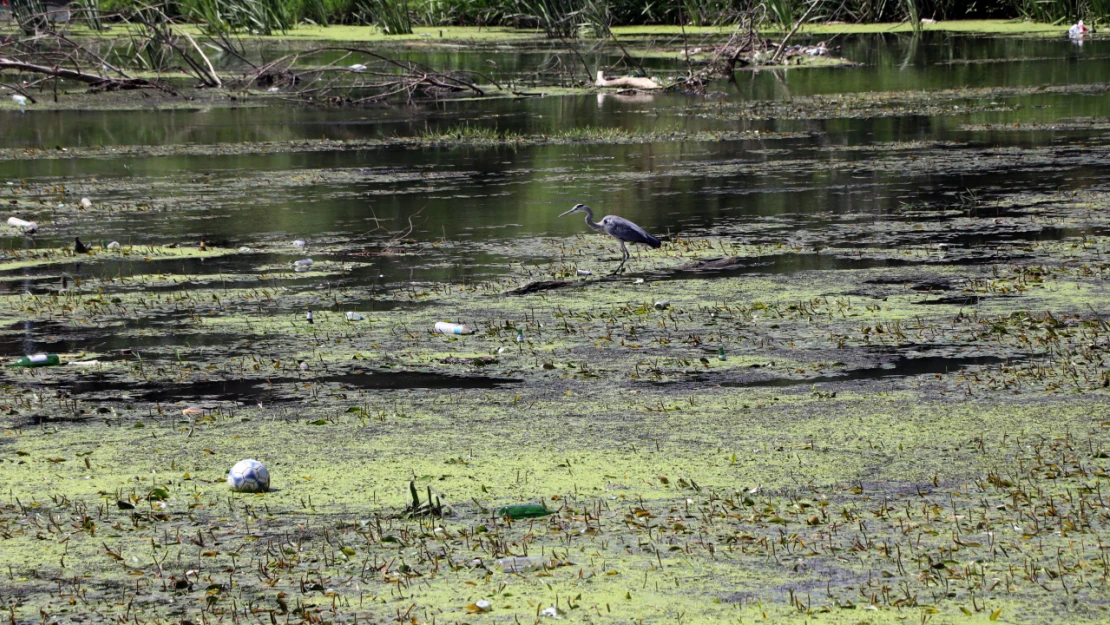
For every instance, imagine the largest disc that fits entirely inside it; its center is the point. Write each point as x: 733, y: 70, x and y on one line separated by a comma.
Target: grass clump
x: 471, y: 134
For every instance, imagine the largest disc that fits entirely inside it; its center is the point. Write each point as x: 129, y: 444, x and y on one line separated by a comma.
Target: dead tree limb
x: 385, y: 78
x: 97, y: 83
x: 797, y: 25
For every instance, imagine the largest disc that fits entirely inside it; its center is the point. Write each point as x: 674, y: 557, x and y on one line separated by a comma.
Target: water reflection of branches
x: 396, y: 238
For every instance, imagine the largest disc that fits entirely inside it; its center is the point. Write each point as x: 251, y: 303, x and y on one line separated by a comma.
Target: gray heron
x: 619, y: 228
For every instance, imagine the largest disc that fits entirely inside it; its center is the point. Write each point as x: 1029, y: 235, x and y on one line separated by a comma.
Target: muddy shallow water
x: 864, y: 375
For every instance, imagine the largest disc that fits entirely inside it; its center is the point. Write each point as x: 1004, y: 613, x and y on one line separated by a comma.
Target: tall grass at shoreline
x: 590, y: 18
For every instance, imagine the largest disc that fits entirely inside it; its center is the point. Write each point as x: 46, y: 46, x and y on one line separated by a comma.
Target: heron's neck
x: 590, y: 219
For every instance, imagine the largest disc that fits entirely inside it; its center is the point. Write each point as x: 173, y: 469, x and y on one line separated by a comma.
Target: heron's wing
x: 621, y: 228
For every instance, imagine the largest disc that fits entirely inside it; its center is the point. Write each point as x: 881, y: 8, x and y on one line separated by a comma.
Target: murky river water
x: 819, y: 168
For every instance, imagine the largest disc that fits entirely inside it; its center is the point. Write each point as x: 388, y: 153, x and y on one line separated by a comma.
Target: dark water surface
x: 832, y: 168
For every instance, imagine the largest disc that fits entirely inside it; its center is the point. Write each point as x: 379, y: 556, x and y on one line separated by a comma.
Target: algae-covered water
x: 863, y: 379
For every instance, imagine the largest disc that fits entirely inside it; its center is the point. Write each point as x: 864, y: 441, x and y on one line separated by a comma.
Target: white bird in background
x: 1077, y: 30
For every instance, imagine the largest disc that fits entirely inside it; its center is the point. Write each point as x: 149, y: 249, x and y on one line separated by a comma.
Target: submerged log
x: 716, y: 264
x: 540, y: 285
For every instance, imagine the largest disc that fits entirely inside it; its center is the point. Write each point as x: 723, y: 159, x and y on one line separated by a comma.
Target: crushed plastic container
x: 442, y: 327
x: 519, y: 564
x: 354, y: 316
x: 28, y: 226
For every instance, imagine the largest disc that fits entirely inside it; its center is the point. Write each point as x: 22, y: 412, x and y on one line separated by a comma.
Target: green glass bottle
x: 524, y: 511
x: 720, y: 353
x: 37, y: 360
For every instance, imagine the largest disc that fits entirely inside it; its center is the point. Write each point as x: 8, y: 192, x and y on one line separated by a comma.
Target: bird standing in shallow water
x: 79, y: 247
x: 619, y: 228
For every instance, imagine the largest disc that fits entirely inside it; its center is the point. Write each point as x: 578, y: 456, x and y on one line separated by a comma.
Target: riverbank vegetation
x: 556, y: 18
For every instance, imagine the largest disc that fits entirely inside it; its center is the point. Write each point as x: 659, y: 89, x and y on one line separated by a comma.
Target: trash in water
x: 524, y: 511
x: 304, y: 262
x: 638, y: 281
x: 86, y: 202
x: 584, y: 272
x: 28, y: 226
x: 298, y: 243
x: 662, y: 305
x: 443, y: 327
x: 519, y: 564
x: 354, y: 316
x: 37, y: 360
x: 113, y: 245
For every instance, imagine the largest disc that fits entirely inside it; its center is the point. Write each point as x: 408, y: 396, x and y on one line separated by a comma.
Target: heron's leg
x: 624, y: 258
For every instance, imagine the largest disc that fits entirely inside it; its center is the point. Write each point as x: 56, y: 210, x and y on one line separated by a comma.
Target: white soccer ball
x: 249, y: 476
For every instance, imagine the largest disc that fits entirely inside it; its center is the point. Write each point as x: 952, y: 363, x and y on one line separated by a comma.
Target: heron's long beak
x: 568, y: 212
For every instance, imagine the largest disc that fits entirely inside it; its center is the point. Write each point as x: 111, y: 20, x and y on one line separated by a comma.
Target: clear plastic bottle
x: 442, y: 327
x: 519, y: 564
x: 354, y: 316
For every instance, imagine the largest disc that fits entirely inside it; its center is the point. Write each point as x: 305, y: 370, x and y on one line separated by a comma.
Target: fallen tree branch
x: 797, y: 25
x: 97, y: 83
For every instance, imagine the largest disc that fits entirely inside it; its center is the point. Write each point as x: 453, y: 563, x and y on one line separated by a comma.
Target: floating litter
x: 249, y: 476
x: 519, y: 564
x: 28, y: 226
x: 443, y: 327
